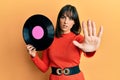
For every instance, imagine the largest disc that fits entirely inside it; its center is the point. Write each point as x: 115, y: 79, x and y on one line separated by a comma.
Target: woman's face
x: 66, y: 23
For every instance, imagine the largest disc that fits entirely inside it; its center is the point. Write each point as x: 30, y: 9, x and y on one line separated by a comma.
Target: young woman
x: 63, y: 55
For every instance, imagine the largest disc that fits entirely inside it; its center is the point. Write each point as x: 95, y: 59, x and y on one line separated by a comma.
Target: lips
x: 65, y: 26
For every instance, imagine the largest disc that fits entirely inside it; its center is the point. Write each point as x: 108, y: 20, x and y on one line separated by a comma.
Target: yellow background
x: 15, y: 63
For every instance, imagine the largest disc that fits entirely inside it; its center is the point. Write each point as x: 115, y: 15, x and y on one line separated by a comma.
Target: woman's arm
x: 41, y: 63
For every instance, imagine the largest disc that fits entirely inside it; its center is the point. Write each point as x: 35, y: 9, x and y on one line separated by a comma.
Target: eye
x: 62, y: 17
x: 70, y: 18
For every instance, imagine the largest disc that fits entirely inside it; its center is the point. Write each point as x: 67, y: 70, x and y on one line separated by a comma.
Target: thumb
x: 76, y: 43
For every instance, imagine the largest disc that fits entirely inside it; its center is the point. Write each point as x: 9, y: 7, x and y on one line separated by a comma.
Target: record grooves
x: 38, y: 31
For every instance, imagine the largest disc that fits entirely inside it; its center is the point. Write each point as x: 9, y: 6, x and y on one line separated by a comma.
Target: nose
x: 66, y: 20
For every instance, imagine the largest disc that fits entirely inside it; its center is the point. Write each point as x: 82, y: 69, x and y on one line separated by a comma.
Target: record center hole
x: 37, y: 32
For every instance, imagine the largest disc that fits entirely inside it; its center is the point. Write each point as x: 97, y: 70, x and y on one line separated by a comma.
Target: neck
x: 65, y: 32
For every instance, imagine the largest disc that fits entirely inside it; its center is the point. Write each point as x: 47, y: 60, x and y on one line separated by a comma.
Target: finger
x: 93, y: 28
x: 84, y: 29
x: 34, y: 48
x: 77, y: 44
x: 30, y: 47
x: 89, y: 27
x: 100, y: 32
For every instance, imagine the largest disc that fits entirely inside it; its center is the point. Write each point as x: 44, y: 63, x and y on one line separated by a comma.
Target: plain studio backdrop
x: 15, y: 63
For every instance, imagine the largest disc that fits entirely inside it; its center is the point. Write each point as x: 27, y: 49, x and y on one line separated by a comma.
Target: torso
x: 62, y: 52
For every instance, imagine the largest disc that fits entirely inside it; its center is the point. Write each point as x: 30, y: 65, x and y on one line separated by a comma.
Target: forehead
x: 68, y: 14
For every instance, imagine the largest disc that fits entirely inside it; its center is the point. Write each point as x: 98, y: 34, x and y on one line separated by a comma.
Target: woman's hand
x: 32, y: 51
x: 91, y: 40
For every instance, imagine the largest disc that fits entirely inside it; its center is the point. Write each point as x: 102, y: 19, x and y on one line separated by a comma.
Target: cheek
x: 71, y: 24
x: 61, y: 22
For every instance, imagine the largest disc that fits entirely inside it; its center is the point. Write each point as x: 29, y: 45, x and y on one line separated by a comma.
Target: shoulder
x: 79, y: 38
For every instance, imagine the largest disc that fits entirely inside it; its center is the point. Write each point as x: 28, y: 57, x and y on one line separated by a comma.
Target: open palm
x: 91, y: 40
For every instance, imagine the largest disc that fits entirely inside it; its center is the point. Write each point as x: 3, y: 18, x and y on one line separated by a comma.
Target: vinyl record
x: 38, y: 31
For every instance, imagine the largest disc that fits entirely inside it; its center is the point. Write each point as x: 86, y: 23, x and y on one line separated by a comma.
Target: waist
x: 66, y: 71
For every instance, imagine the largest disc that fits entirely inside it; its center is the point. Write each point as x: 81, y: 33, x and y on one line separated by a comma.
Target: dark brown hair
x: 76, y: 27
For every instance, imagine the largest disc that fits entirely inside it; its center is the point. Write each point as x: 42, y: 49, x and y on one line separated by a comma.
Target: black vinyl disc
x: 38, y: 31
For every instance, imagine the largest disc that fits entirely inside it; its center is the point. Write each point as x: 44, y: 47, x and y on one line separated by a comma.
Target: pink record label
x: 37, y: 32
